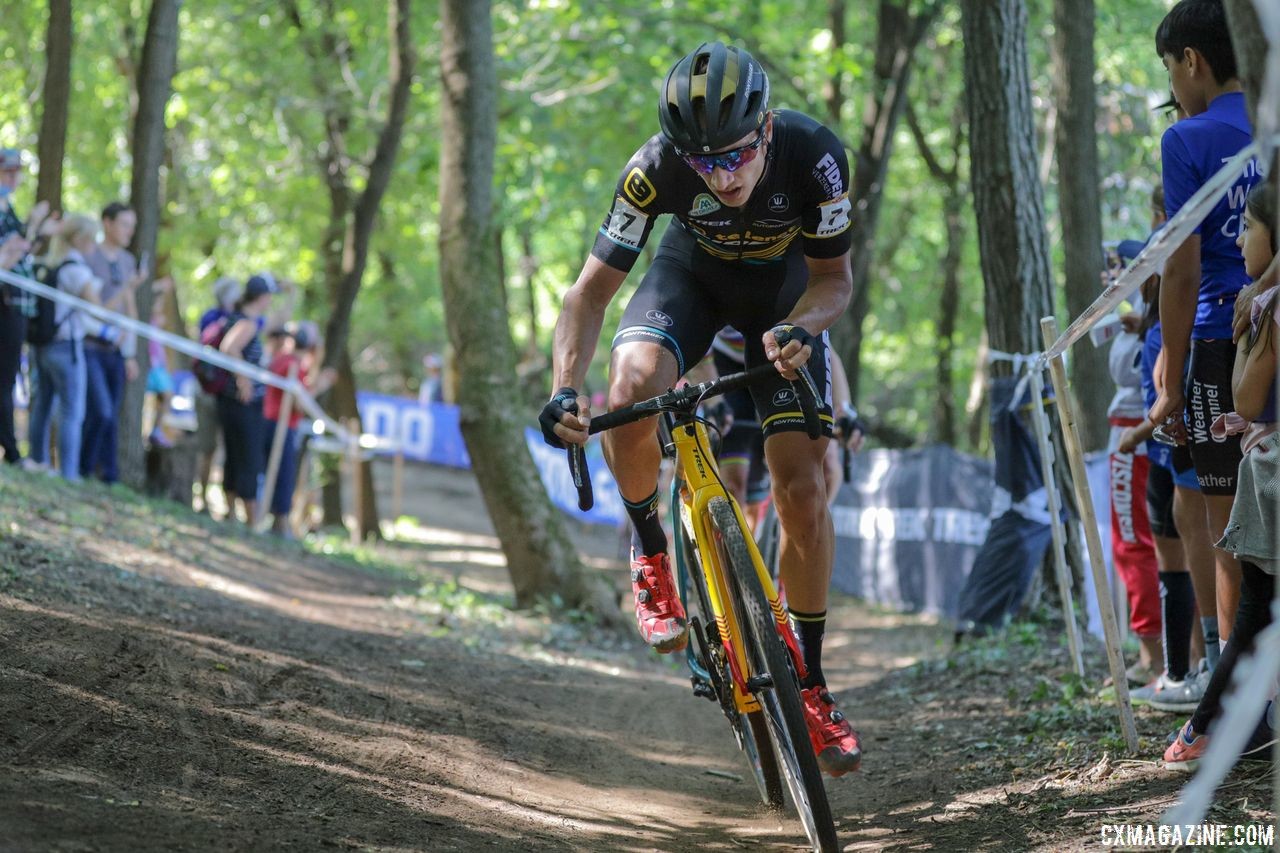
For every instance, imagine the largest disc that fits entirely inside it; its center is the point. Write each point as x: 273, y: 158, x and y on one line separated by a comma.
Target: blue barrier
x: 431, y: 433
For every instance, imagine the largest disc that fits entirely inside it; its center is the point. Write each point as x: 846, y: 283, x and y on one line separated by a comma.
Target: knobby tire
x: 753, y: 730
x: 782, y: 705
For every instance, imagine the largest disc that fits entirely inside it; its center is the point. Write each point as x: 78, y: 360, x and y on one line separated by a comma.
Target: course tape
x: 187, y: 346
x: 1150, y: 260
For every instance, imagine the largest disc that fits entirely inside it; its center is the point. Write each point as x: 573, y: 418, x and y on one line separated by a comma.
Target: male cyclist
x: 760, y: 242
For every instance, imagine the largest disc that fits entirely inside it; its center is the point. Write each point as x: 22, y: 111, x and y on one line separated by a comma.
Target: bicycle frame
x: 697, y: 473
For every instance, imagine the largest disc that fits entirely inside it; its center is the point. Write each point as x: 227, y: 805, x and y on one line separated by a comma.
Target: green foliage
x: 578, y: 83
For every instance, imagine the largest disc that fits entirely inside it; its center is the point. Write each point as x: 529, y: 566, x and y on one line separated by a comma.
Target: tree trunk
x: 539, y: 553
x: 1008, y: 197
x: 353, y: 218
x: 1079, y: 203
x: 52, y: 144
x: 1250, y: 42
x: 159, y: 62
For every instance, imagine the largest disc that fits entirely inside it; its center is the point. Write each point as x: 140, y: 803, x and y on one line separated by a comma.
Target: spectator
x: 301, y: 348
x: 226, y: 292
x: 1132, y: 549
x: 240, y: 409
x: 1203, y: 276
x: 159, y: 380
x: 109, y: 350
x: 60, y: 364
x: 432, y: 389
x: 1251, y: 534
x: 16, y: 305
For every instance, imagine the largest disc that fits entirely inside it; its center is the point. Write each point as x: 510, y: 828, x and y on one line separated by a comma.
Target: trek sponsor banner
x: 431, y: 433
x: 909, y: 526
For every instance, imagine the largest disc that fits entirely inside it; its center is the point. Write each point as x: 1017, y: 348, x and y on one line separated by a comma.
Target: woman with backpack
x: 240, y: 403
x: 59, y: 349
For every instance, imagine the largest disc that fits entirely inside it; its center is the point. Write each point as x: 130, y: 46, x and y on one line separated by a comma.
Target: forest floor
x: 170, y: 683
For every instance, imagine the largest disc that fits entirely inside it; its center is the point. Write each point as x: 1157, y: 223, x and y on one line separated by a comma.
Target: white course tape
x: 187, y: 346
x: 1150, y: 260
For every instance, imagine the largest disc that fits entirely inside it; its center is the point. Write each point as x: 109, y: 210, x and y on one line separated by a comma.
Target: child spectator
x: 109, y: 350
x: 1251, y: 533
x: 1203, y: 276
x: 60, y: 364
x: 1132, y: 549
x: 240, y: 408
x: 226, y: 292
x: 299, y: 348
x: 159, y: 380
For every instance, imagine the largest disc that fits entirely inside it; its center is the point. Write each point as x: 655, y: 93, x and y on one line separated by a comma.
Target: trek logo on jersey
x: 703, y: 204
x: 638, y: 187
x: 828, y: 173
x: 834, y: 217
x: 626, y: 225
x: 779, y: 202
x: 660, y: 318
x: 784, y: 396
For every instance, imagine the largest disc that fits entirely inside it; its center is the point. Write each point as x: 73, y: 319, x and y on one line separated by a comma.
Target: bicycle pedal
x: 701, y: 687
x: 756, y: 683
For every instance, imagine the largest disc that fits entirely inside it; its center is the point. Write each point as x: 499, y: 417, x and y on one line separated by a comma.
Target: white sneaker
x: 1180, y: 697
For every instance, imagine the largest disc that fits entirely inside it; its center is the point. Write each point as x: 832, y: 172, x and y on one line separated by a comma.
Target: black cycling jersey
x: 803, y: 192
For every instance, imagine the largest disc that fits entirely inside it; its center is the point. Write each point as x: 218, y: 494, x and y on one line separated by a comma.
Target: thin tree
x: 52, y: 144
x: 155, y: 83
x: 352, y: 216
x: 899, y: 32
x: 955, y: 190
x: 1079, y: 202
x: 538, y: 550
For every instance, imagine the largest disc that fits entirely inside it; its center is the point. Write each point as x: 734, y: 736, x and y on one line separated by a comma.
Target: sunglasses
x: 730, y: 161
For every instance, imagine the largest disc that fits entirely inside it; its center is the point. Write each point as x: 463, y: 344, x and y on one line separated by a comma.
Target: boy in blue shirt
x: 1203, y: 276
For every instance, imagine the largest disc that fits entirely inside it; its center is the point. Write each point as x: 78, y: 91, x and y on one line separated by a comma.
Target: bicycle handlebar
x: 686, y: 398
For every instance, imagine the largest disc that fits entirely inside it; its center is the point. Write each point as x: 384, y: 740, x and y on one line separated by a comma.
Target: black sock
x: 647, y: 536
x: 810, y: 628
x: 1177, y: 609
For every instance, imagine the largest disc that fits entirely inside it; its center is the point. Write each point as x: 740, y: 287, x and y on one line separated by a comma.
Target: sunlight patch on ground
x: 470, y: 557
x: 408, y: 531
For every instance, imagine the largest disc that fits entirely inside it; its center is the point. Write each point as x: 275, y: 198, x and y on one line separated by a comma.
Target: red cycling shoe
x: 835, y: 743
x: 659, y: 610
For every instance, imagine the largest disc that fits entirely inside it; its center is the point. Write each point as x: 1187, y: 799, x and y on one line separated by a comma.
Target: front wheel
x: 780, y: 699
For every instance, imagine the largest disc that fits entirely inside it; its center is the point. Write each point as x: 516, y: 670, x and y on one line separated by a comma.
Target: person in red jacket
x: 300, y: 347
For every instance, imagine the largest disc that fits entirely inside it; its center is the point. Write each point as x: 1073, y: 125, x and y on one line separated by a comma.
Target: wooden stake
x: 277, y: 449
x: 397, y: 482
x: 357, y: 481
x: 1084, y: 500
x: 1041, y: 422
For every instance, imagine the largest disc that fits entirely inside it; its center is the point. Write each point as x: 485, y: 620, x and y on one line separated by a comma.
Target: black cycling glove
x: 564, y: 400
x: 848, y: 422
x: 784, y: 333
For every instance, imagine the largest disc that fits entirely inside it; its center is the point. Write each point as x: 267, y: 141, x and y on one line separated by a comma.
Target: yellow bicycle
x: 744, y: 653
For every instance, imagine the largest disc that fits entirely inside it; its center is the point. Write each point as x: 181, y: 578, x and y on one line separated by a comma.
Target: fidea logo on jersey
x: 703, y: 204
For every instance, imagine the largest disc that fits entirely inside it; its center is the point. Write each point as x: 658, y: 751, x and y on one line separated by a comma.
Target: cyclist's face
x: 734, y: 188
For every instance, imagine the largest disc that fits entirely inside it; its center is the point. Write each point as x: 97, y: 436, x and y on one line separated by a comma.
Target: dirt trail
x: 166, y: 686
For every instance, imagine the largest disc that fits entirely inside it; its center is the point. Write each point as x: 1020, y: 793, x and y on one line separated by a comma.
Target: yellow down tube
x: 698, y: 471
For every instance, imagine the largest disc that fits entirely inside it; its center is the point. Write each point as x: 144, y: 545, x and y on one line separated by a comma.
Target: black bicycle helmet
x: 712, y: 98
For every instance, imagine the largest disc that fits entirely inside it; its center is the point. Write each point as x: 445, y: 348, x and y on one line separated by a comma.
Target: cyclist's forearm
x: 822, y: 303
x: 581, y: 318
